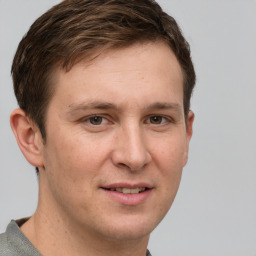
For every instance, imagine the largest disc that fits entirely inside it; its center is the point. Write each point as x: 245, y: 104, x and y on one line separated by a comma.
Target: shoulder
x: 14, y: 243
x: 4, y: 245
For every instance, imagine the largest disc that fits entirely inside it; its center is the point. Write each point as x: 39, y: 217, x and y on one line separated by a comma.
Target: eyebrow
x: 107, y: 106
x: 91, y: 105
x: 164, y: 105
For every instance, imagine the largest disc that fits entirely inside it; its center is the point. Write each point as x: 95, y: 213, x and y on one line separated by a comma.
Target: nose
x: 130, y: 150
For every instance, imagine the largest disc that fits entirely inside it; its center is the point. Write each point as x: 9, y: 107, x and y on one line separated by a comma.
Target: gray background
x: 214, y: 213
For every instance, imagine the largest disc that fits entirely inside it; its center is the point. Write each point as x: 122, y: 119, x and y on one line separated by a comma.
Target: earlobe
x: 28, y: 137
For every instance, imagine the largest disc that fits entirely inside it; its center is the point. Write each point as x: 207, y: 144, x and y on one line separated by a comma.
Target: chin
x: 129, y: 234
x: 131, y: 228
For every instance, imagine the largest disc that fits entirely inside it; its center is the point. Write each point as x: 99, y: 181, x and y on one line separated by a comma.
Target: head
x: 77, y: 30
x: 105, y: 87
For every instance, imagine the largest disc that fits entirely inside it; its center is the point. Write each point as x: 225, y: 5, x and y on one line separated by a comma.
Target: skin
x: 139, y: 135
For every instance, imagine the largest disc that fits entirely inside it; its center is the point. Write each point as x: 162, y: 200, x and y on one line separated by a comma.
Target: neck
x: 56, y: 236
x: 58, y: 230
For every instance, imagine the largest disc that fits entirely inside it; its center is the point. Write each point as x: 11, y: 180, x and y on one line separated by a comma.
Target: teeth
x: 129, y: 190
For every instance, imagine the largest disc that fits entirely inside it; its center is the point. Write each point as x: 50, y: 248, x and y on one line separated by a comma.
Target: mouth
x: 128, y: 194
x: 128, y: 190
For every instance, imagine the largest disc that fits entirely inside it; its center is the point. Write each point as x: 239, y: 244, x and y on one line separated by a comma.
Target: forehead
x: 150, y: 67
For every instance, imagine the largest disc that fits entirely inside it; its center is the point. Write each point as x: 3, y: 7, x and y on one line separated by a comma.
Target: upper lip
x: 127, y: 185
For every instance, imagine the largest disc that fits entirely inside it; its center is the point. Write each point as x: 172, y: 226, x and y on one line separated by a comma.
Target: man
x: 104, y: 92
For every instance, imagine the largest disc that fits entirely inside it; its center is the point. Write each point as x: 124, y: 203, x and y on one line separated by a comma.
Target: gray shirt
x: 14, y: 243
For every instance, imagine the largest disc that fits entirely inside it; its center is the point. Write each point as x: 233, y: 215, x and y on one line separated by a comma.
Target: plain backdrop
x: 214, y: 213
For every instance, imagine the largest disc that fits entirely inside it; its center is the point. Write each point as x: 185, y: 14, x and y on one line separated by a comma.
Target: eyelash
x: 89, y: 118
x: 147, y: 121
x: 163, y: 119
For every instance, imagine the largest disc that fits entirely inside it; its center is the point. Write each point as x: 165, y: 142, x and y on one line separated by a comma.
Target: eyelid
x: 87, y: 119
x: 168, y: 119
x: 107, y: 119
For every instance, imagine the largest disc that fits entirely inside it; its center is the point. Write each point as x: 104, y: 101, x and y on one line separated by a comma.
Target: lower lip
x: 129, y: 199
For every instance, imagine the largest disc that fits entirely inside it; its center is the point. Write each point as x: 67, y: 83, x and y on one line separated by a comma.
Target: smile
x: 128, y: 190
x: 127, y: 193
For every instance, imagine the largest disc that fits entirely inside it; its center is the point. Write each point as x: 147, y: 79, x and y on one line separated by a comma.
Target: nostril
x: 122, y: 165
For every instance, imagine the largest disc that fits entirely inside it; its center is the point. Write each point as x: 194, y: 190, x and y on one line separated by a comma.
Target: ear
x: 28, y: 137
x: 189, y: 132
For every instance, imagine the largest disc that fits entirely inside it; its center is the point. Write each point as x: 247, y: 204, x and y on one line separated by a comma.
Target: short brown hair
x: 74, y: 30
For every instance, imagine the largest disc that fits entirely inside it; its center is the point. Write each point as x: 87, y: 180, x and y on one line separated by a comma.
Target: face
x: 116, y: 142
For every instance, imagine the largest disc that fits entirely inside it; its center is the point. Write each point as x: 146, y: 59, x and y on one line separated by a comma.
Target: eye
x: 96, y: 123
x: 157, y: 120
x: 96, y: 120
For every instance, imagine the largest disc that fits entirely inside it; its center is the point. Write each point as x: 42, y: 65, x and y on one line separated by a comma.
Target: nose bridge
x: 132, y: 150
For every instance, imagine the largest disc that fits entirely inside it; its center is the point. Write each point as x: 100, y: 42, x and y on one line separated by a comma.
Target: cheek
x: 70, y: 172
x: 76, y: 155
x: 169, y: 155
x: 75, y: 163
x: 169, y: 159
x: 65, y: 161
